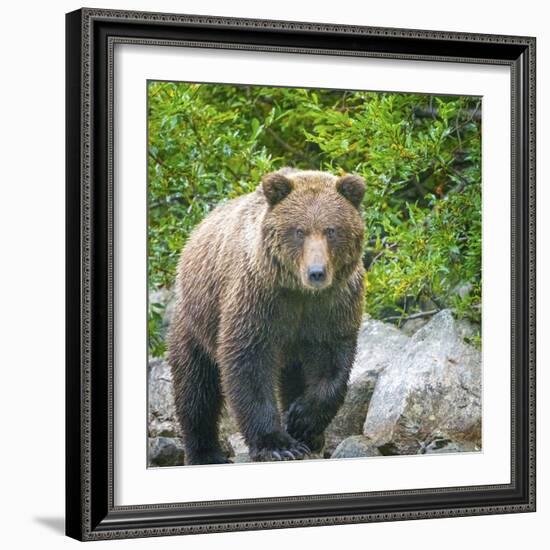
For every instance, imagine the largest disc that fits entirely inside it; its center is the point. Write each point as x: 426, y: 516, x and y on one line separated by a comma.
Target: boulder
x: 351, y: 416
x: 444, y: 446
x: 354, y: 447
x: 238, y: 447
x: 432, y: 390
x: 378, y: 344
x: 413, y: 325
x: 406, y: 394
x: 162, y: 411
x: 166, y: 451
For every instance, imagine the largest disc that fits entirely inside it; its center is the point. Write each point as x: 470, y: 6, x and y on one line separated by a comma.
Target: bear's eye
x: 299, y: 234
x: 330, y: 232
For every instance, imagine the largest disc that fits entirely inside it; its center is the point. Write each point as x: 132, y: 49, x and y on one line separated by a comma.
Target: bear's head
x: 313, y: 225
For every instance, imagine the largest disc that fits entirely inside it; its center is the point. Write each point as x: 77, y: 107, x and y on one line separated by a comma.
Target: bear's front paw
x: 277, y: 446
x: 302, y: 424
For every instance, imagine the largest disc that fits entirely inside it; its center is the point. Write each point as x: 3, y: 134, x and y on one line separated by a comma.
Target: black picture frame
x: 90, y: 511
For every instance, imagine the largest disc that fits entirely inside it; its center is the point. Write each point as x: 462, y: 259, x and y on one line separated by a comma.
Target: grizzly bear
x: 269, y: 303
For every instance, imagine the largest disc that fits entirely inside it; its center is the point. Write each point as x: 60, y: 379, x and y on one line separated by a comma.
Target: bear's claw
x: 304, y: 448
x: 289, y: 454
x: 266, y: 455
x: 292, y: 450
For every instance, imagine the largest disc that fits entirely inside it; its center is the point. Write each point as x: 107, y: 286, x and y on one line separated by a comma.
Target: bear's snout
x: 315, y: 266
x: 317, y: 274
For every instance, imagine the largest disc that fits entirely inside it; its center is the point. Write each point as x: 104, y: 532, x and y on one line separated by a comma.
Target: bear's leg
x: 291, y: 386
x: 326, y: 372
x: 249, y: 377
x: 198, y: 402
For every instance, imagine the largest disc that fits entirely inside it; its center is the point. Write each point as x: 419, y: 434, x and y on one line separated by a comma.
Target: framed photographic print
x: 300, y: 274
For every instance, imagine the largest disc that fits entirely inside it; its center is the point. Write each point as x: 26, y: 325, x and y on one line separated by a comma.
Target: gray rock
x: 444, y: 446
x: 418, y: 394
x: 351, y: 416
x: 162, y: 411
x: 239, y: 449
x: 431, y: 390
x: 462, y: 290
x: 413, y: 325
x: 466, y: 328
x: 354, y: 447
x: 160, y: 296
x: 241, y: 459
x: 238, y: 444
x: 377, y: 345
x: 166, y: 451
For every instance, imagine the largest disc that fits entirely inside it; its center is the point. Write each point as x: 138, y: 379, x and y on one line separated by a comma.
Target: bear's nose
x: 316, y: 273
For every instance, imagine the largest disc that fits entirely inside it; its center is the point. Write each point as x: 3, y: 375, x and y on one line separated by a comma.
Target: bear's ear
x: 351, y: 187
x: 276, y: 187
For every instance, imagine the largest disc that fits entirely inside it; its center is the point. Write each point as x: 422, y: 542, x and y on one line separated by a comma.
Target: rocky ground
x: 412, y: 391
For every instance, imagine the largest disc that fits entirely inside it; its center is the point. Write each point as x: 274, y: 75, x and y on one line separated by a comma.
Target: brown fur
x: 250, y: 322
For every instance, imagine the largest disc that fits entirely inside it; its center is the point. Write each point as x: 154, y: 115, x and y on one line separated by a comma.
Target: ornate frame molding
x: 91, y: 36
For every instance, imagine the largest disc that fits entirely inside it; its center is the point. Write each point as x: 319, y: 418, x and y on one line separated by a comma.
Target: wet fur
x: 246, y: 329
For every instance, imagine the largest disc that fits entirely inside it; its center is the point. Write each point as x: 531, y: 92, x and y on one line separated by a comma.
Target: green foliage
x: 419, y: 154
